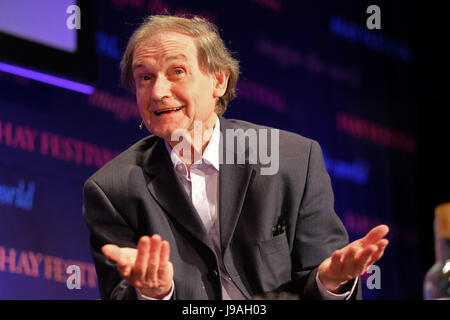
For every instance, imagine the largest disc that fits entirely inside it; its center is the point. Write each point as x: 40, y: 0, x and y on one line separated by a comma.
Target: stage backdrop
x: 311, y: 67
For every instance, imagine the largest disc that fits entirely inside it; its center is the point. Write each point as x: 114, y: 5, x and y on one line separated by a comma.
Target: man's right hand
x: 146, y: 268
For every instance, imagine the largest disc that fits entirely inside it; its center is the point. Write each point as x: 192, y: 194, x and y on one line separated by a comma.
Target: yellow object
x: 442, y: 216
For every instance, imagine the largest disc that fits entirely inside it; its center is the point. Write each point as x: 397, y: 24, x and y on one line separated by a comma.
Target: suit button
x: 213, y: 275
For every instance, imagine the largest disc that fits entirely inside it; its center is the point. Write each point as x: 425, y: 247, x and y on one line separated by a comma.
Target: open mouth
x: 171, y: 110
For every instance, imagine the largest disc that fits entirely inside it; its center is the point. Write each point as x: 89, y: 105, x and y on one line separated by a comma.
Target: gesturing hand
x: 353, y: 260
x: 147, y: 268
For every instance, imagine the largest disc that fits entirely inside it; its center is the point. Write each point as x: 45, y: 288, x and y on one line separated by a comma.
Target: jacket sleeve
x: 107, y: 226
x: 319, y: 231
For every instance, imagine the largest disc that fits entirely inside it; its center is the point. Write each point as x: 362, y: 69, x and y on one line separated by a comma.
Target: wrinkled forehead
x: 166, y: 44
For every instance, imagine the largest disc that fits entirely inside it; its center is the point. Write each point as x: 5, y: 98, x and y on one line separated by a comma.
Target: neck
x: 191, y: 146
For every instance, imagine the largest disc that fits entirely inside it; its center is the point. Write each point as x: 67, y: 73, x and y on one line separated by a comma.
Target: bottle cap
x: 442, y: 216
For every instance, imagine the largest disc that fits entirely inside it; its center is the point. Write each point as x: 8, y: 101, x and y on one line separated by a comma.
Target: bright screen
x: 42, y: 21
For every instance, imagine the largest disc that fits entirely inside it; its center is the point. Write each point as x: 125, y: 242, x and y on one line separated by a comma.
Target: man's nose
x: 161, y: 89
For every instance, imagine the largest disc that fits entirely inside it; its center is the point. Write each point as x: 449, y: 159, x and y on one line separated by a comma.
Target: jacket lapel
x: 234, y: 180
x: 168, y: 191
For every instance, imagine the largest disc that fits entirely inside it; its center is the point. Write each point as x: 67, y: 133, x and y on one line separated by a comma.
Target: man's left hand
x: 353, y: 260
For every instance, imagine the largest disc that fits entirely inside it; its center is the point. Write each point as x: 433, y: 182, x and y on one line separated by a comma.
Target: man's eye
x: 146, y: 78
x: 178, y: 71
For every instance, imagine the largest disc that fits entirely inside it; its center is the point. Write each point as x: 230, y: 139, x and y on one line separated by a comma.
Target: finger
x: 153, y: 261
x: 363, y: 260
x: 336, y: 263
x: 140, y: 265
x: 379, y: 253
x: 165, y: 254
x: 382, y: 243
x: 375, y: 235
x: 348, y: 260
x: 164, y: 261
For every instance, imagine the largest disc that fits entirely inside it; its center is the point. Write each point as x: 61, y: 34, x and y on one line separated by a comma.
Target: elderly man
x: 180, y: 223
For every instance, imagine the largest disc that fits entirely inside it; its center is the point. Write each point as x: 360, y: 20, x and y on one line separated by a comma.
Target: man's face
x: 171, y: 90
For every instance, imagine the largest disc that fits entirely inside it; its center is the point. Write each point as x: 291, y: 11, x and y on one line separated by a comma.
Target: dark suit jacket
x: 138, y: 193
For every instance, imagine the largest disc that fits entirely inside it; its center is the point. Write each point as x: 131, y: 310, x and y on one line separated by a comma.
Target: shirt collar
x: 210, y: 154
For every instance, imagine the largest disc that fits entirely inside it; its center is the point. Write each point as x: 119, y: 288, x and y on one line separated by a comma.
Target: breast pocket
x: 276, y: 258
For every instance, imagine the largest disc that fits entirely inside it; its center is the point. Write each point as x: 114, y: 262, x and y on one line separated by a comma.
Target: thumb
x: 111, y: 251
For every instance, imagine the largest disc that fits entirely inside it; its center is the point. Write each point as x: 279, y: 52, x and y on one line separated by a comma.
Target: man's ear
x: 220, y: 84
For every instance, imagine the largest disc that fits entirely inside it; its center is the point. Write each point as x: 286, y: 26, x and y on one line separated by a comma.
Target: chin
x: 160, y: 133
x: 163, y: 133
